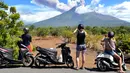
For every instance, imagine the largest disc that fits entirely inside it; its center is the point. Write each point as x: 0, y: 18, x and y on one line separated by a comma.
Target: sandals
x: 81, y: 68
x: 121, y: 72
x: 76, y: 68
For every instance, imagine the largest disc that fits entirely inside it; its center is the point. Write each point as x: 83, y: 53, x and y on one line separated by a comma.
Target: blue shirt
x: 26, y: 39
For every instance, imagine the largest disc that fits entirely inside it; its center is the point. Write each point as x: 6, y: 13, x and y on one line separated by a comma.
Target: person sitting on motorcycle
x: 110, y: 48
x: 81, y: 35
x: 27, y: 39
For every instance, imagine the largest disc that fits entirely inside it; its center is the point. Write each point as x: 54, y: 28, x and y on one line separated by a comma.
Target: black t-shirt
x: 80, y: 38
x: 26, y: 39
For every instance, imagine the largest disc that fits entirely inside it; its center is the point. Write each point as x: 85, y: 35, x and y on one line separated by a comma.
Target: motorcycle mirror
x: 57, y: 43
x: 37, y: 48
x: 66, y: 40
x: 58, y: 46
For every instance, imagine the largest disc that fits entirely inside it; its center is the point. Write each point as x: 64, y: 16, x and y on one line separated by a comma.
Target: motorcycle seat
x: 46, y: 49
x: 6, y: 50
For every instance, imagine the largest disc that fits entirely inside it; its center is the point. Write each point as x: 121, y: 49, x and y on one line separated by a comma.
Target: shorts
x: 111, y: 52
x: 81, y: 47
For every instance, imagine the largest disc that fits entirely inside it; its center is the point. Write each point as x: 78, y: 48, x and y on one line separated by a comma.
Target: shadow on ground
x: 51, y: 67
x: 10, y: 66
x: 65, y: 67
x: 97, y: 70
x: 54, y: 67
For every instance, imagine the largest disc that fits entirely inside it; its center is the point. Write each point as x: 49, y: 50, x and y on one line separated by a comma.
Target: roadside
x: 51, y: 42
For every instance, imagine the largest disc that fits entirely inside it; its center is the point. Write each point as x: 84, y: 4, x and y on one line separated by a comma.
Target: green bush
x: 10, y: 28
x: 93, y: 42
x: 123, y: 42
x: 55, y: 32
x: 95, y: 34
x: 67, y: 34
x: 42, y: 32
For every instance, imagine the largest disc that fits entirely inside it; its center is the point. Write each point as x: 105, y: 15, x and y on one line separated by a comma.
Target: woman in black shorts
x: 80, y: 47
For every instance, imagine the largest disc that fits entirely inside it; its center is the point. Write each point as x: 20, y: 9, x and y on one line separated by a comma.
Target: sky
x: 37, y: 10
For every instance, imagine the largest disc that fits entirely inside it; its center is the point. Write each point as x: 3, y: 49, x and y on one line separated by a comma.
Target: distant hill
x: 70, y: 18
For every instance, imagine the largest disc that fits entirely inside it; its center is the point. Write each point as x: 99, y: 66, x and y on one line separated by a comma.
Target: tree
x: 4, y: 6
x: 3, y: 14
x: 123, y: 42
x: 32, y: 27
x: 13, y: 10
x: 42, y: 31
x: 95, y: 30
x: 10, y: 27
x: 67, y: 35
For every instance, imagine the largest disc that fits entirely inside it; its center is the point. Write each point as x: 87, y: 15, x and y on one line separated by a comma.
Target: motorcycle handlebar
x: 62, y: 45
x: 24, y: 46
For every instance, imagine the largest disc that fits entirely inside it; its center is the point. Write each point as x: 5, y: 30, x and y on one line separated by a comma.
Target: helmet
x: 111, y: 34
x: 26, y: 30
x: 80, y: 26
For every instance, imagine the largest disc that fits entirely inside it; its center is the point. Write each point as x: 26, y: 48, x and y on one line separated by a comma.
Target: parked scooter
x: 6, y: 56
x: 106, y: 62
x: 49, y: 56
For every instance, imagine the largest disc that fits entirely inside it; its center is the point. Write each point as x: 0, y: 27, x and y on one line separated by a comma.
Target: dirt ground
x: 51, y: 42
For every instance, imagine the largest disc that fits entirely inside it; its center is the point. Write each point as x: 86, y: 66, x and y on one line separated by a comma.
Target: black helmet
x: 111, y: 34
x: 26, y: 30
x: 80, y: 26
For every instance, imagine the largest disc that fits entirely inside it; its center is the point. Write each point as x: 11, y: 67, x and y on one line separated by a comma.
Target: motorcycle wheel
x: 37, y: 62
x: 70, y: 63
x: 101, y: 66
x: 28, y: 61
x: 0, y: 62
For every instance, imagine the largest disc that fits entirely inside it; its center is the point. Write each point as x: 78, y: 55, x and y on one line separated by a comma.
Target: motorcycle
x: 6, y: 56
x: 106, y: 62
x: 49, y: 56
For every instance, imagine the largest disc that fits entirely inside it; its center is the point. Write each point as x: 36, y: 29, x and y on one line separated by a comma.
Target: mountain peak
x: 71, y: 18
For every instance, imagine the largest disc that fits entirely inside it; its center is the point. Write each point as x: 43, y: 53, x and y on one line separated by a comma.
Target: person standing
x: 80, y: 47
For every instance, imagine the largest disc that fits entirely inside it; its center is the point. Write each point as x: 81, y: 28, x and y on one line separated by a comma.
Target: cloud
x: 52, y: 3
x: 88, y: 8
x: 62, y: 7
x: 72, y: 3
x: 95, y: 2
x: 31, y: 14
x: 46, y: 9
x: 83, y: 9
x: 38, y: 16
x: 56, y: 4
x: 121, y: 11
